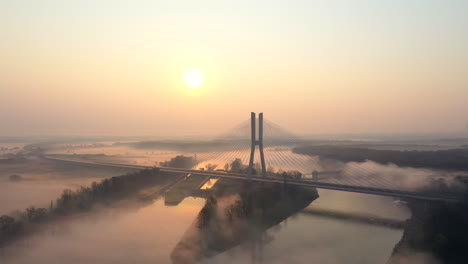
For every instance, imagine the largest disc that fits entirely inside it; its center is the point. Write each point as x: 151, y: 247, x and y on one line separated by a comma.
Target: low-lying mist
x: 392, y: 176
x: 43, y: 180
x: 128, y: 234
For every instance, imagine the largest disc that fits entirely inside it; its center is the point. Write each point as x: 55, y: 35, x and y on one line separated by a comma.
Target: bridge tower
x: 256, y: 142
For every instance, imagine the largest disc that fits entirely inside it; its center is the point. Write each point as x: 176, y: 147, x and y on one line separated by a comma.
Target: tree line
x: 81, y: 200
x: 236, y: 166
x: 451, y: 159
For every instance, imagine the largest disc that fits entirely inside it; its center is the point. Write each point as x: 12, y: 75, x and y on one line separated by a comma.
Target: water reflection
x: 306, y: 238
x: 229, y: 227
x: 227, y: 221
x: 209, y: 184
x: 126, y: 234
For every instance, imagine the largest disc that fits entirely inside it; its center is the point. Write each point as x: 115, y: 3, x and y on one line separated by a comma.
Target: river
x: 148, y: 234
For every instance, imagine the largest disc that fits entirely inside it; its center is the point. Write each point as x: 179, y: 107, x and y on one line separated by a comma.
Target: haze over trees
x: 180, y: 161
x: 237, y: 166
x: 452, y: 159
x: 81, y: 200
x: 15, y: 177
x: 226, y: 221
x: 438, y: 229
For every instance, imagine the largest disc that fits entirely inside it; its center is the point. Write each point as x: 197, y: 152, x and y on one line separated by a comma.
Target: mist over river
x: 148, y: 234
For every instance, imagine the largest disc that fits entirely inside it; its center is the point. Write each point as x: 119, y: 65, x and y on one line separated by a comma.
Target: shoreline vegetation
x: 230, y: 219
x: 106, y: 192
x: 236, y: 166
x: 231, y: 216
x: 436, y: 231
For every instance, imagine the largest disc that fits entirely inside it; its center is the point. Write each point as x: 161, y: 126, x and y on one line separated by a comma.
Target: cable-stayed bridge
x: 265, y: 152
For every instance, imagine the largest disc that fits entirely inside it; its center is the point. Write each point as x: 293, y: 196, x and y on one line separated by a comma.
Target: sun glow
x: 193, y: 78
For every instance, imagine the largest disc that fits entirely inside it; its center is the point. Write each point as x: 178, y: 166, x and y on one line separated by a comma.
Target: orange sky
x: 116, y: 67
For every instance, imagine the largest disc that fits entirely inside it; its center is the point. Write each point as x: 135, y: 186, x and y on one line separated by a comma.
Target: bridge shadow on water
x: 231, y: 218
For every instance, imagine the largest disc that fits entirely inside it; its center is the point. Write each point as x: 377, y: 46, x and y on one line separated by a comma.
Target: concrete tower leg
x: 260, y: 143
x: 253, y: 143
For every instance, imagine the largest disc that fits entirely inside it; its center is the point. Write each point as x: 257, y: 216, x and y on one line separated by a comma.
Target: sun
x: 193, y: 78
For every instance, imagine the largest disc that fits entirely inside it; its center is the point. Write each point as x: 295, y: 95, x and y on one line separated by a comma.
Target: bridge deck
x: 427, y: 196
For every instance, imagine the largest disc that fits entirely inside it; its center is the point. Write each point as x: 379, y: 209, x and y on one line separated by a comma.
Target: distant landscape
x: 234, y: 132
x: 26, y: 166
x: 451, y: 159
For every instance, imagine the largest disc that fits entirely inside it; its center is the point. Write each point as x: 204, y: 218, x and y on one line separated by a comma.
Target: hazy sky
x: 116, y: 67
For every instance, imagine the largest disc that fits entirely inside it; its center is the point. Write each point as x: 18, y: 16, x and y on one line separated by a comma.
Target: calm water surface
x: 148, y: 235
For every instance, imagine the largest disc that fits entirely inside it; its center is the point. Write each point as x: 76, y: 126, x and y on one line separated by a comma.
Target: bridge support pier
x: 255, y: 142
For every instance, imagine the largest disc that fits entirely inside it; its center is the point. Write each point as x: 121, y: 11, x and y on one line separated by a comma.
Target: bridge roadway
x: 426, y: 196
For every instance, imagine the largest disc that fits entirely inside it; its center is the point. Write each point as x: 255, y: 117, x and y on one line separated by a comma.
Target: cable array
x: 280, y: 155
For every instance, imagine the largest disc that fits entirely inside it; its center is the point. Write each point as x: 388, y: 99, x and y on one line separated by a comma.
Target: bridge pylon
x: 256, y: 142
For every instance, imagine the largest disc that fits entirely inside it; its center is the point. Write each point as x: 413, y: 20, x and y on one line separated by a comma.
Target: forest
x: 451, y: 159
